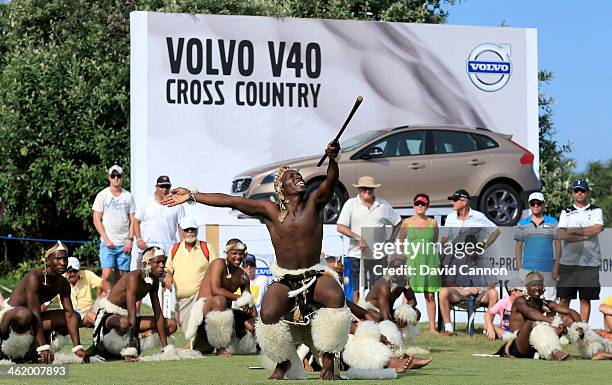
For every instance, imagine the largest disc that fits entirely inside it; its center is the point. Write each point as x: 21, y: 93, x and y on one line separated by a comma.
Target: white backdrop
x: 407, y: 73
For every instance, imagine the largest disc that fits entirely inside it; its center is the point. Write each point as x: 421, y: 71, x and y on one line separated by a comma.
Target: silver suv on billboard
x: 407, y: 160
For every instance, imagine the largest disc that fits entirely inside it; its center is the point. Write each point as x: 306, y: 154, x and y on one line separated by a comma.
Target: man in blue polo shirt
x: 537, y: 247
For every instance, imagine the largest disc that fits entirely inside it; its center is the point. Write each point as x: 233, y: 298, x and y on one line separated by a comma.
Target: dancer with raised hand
x: 301, y: 282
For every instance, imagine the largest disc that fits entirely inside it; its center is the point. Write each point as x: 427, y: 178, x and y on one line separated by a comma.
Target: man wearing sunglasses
x: 579, y: 227
x: 537, y: 247
x: 188, y: 263
x: 467, y: 226
x: 113, y: 216
x: 156, y: 223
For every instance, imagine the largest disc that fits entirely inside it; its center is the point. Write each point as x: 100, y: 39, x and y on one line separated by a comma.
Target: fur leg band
x: 18, y: 344
x: 114, y: 343
x: 219, y: 328
x: 330, y: 329
x: 196, y: 315
x: 590, y: 344
x: 364, y: 350
x: 544, y: 339
x: 275, y: 340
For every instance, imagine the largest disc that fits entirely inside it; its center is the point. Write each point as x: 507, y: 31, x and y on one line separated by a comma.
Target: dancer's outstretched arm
x: 253, y: 207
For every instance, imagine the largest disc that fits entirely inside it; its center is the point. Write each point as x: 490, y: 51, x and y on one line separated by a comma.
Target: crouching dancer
x: 301, y: 290
x: 117, y: 327
x: 22, y: 322
x: 227, y: 330
x: 537, y: 324
x: 381, y: 298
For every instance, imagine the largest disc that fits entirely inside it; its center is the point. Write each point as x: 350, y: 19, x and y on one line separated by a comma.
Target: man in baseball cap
x: 164, y: 182
x: 580, y: 184
x: 461, y: 224
x: 115, y: 169
x: 73, y: 264
x: 113, y: 216
x: 460, y: 194
x: 579, y: 228
x: 155, y: 223
x: 259, y: 283
x: 82, y: 282
x: 537, y: 247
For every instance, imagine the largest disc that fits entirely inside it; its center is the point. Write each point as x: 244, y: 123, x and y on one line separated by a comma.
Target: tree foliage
x: 64, y: 97
x: 555, y: 167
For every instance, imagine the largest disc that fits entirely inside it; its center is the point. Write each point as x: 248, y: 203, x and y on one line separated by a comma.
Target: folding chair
x: 468, y: 306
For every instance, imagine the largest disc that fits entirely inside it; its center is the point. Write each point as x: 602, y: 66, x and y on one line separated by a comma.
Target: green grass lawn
x: 453, y: 364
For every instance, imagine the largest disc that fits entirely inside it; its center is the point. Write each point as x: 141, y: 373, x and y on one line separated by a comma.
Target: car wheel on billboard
x: 331, y: 211
x: 501, y: 204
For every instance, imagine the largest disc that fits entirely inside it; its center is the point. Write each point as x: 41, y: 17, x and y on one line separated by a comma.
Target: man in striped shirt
x: 537, y: 247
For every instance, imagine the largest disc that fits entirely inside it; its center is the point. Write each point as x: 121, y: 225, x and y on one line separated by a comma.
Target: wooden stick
x: 355, y: 106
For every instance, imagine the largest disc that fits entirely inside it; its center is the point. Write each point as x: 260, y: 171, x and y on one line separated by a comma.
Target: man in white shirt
x: 156, y: 223
x: 470, y: 227
x: 113, y: 217
x: 365, y: 211
x: 579, y: 227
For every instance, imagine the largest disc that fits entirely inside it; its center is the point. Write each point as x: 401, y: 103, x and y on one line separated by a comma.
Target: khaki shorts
x: 479, y: 296
x: 184, y: 307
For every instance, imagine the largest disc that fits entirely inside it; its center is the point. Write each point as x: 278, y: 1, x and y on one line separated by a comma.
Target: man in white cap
x: 155, y: 223
x: 364, y: 210
x: 188, y: 261
x: 82, y: 282
x: 113, y: 217
x: 537, y: 247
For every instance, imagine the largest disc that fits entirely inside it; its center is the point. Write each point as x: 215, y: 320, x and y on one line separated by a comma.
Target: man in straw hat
x: 366, y: 210
x: 295, y: 224
x: 24, y: 327
x: 117, y: 327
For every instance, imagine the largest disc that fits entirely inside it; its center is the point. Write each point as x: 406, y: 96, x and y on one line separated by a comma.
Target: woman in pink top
x: 502, y: 308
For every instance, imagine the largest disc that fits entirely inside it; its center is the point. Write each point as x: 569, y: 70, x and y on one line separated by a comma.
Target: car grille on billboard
x: 240, y: 185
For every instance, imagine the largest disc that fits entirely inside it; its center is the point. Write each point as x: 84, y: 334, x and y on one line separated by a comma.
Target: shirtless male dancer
x: 295, y: 224
x: 22, y: 322
x: 535, y: 325
x: 225, y: 327
x: 117, y: 327
x: 381, y: 298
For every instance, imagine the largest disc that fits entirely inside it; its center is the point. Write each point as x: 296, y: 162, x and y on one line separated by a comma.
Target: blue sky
x: 575, y: 43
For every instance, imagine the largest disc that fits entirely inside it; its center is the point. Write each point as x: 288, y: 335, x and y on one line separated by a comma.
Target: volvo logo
x: 489, y: 66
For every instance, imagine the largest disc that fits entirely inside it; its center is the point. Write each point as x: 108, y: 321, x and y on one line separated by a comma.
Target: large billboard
x: 212, y: 96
